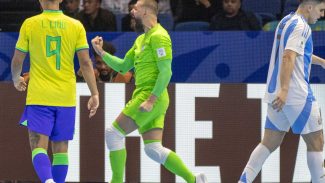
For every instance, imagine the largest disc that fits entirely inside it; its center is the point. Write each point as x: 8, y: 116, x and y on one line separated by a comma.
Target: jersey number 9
x: 53, y: 47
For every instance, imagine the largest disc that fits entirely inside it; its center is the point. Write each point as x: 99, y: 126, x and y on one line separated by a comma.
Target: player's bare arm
x: 289, y: 57
x: 16, y: 68
x: 318, y: 61
x: 88, y: 73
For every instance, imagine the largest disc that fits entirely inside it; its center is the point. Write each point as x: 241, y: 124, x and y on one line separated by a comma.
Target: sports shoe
x: 201, y: 178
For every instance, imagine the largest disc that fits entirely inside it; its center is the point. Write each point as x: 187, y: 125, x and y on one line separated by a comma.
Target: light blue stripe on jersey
x: 302, y: 119
x: 307, y: 61
x: 306, y: 31
x: 243, y: 178
x: 273, y: 81
x: 270, y: 125
x: 289, y: 31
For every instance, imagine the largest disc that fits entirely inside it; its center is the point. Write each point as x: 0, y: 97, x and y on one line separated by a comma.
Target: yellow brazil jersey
x: 51, y: 38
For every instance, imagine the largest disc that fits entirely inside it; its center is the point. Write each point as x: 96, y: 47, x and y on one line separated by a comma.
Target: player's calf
x: 254, y: 164
x: 42, y: 165
x: 315, y: 159
x: 170, y: 160
x: 115, y: 141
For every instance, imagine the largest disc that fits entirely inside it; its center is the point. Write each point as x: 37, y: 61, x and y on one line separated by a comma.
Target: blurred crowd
x: 114, y: 15
x: 181, y: 15
x: 174, y: 15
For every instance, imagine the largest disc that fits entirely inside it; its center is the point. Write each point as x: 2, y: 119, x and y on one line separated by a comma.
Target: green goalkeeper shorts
x: 147, y: 120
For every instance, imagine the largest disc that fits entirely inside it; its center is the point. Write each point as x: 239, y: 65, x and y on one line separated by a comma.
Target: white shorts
x: 303, y: 118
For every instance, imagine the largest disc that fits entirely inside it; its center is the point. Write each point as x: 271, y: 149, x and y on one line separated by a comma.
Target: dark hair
x: 132, y: 2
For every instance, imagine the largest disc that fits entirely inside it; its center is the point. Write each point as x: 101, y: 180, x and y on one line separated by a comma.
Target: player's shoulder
x: 140, y: 38
x: 300, y: 22
x: 72, y: 21
x: 160, y: 34
x: 32, y: 19
x: 162, y: 30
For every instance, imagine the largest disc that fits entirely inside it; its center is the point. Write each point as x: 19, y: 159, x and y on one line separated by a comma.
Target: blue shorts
x: 55, y: 122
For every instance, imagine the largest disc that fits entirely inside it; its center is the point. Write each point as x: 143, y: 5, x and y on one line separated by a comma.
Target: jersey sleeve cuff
x: 82, y: 48
x: 298, y: 51
x: 22, y: 50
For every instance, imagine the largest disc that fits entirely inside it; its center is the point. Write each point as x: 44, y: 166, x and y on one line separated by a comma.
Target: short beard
x: 105, y: 78
x: 138, y: 26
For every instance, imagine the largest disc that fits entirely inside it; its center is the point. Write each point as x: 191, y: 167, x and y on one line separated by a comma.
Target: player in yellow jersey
x: 52, y: 39
x: 151, y: 58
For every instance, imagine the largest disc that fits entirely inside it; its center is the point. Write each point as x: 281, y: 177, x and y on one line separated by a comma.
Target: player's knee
x: 114, y: 139
x: 314, y: 141
x: 156, y: 152
x: 272, y: 140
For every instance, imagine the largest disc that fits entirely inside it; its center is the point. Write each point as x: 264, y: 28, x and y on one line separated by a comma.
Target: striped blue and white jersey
x: 293, y: 33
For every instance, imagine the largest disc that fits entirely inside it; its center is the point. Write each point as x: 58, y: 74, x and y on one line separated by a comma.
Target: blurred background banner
x: 202, y: 126
x: 208, y: 57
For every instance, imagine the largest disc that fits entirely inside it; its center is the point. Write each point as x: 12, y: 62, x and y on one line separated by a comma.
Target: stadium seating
x: 269, y: 10
x: 118, y: 17
x: 12, y: 20
x: 192, y: 26
x: 271, y: 26
x: 19, y: 5
x: 166, y: 20
x: 290, y: 6
x: 259, y: 18
x: 318, y: 26
x: 263, y: 6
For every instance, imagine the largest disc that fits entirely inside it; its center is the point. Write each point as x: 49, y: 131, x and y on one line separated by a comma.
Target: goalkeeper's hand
x: 97, y: 43
x: 147, y: 105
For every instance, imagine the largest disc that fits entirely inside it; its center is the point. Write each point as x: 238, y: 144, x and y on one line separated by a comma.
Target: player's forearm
x: 16, y: 69
x: 165, y: 73
x: 119, y: 65
x: 286, y: 72
x: 89, y: 76
x: 318, y: 61
x: 17, y: 64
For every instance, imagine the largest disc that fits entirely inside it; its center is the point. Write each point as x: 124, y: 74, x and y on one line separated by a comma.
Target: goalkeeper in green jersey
x: 151, y: 58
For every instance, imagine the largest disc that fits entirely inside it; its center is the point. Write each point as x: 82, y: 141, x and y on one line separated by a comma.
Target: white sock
x: 255, y: 163
x: 49, y: 181
x: 315, y: 162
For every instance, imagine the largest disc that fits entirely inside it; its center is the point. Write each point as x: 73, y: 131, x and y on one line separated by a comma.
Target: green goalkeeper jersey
x: 150, y: 48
